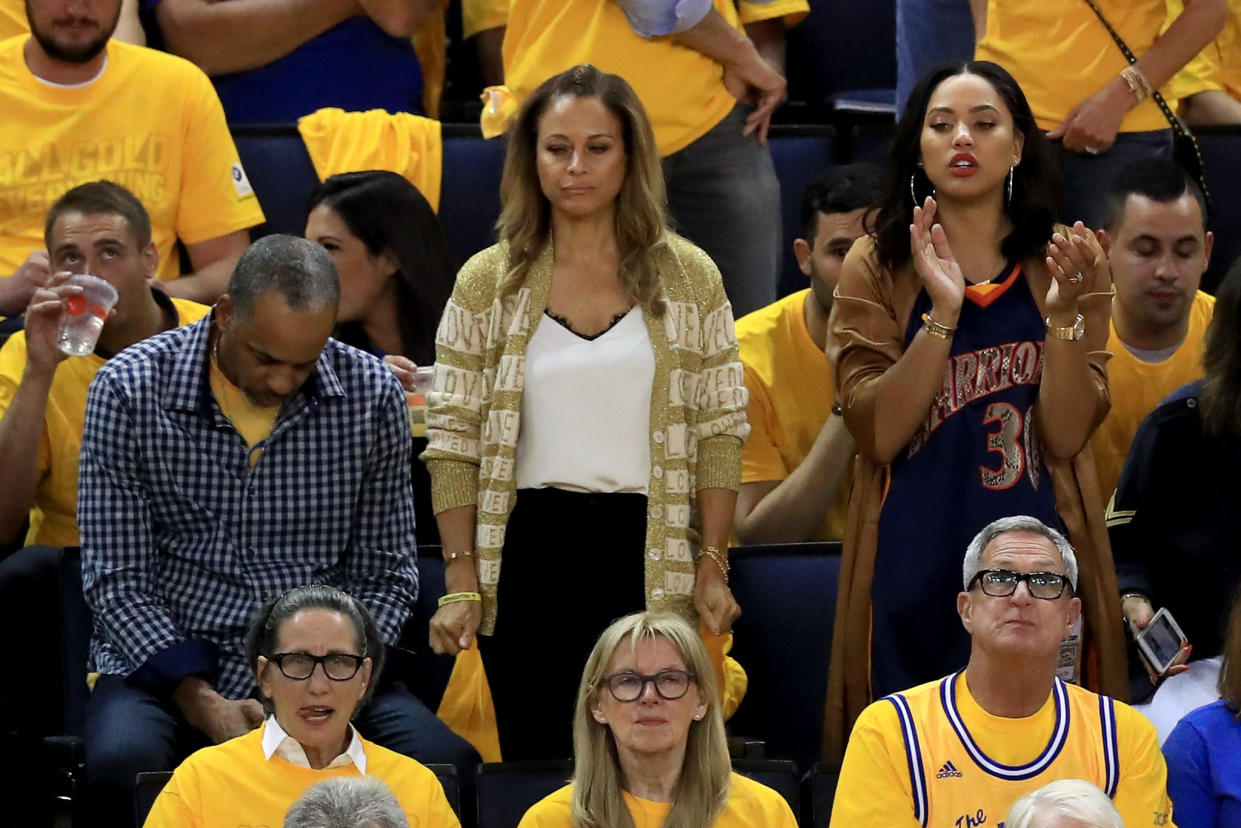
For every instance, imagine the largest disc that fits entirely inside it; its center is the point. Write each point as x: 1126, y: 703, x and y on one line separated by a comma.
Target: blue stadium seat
x: 280, y: 172
x: 844, y: 55
x: 783, y: 639
x: 470, y: 193
x: 799, y: 153
x: 1221, y: 150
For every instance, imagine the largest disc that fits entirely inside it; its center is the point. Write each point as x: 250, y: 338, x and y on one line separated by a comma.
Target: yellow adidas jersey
x: 932, y: 756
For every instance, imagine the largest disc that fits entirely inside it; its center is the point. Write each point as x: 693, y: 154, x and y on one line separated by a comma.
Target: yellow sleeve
x: 793, y: 11
x: 216, y: 197
x: 481, y: 15
x: 1142, y: 793
x: 175, y: 806
x: 874, y: 786
x: 760, y: 456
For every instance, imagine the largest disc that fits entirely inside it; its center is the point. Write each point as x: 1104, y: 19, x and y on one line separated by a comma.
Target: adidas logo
x: 947, y: 771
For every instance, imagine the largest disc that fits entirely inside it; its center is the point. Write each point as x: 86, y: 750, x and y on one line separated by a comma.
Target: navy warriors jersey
x: 975, y: 458
x: 932, y: 757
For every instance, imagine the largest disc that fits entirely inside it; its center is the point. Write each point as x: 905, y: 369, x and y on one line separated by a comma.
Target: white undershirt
x: 586, y: 408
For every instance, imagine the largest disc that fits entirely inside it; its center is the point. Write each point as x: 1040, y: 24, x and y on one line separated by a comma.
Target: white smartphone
x: 1160, y: 641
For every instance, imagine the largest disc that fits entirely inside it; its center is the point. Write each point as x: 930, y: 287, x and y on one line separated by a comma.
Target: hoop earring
x: 1009, y: 200
x: 913, y: 195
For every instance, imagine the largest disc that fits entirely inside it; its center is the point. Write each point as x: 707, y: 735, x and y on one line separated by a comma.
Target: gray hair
x: 1075, y: 798
x: 347, y: 802
x: 297, y: 269
x: 1019, y: 523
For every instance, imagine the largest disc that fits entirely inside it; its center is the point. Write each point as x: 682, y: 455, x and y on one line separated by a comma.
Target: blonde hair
x: 1075, y: 798
x: 641, y: 222
x: 705, y: 775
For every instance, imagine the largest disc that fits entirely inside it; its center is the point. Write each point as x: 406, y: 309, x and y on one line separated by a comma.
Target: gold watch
x: 1069, y: 333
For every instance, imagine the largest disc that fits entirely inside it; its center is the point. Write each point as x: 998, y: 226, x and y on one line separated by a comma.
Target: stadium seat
x: 818, y: 793
x: 778, y: 774
x: 1221, y: 151
x: 783, y: 639
x: 843, y: 56
x: 470, y: 192
x: 280, y: 172
x: 506, y: 790
x: 150, y: 783
x: 451, y: 783
x: 799, y: 153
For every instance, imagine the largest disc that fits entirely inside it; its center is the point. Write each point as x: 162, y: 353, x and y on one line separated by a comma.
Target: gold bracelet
x: 720, y: 559
x: 936, y: 329
x: 1137, y: 82
x: 452, y: 556
x: 454, y: 597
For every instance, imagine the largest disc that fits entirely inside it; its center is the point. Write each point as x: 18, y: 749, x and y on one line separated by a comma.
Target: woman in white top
x: 587, y: 413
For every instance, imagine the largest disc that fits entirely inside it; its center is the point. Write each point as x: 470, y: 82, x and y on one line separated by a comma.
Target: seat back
x: 783, y: 639
x: 818, y: 797
x: 149, y: 784
x: 280, y: 172
x: 799, y: 153
x: 778, y: 774
x: 1221, y: 152
x: 842, y: 50
x: 470, y: 189
x: 451, y: 783
x: 506, y: 790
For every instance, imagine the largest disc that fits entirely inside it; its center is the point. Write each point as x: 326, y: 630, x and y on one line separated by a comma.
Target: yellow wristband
x: 454, y: 597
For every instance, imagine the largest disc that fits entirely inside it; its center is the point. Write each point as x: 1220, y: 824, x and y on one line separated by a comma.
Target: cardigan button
x: 653, y: 553
x: 658, y: 437
x: 657, y: 512
x: 657, y: 593
x: 657, y: 472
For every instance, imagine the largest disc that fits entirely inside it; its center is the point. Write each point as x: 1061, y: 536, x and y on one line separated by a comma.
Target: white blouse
x: 586, y: 408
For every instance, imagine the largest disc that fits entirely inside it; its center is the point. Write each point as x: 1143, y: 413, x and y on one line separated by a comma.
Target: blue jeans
x: 724, y: 197
x: 130, y: 730
x: 929, y: 32
x: 1087, y: 177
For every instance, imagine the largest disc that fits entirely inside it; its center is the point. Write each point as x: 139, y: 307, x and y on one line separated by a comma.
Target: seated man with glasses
x: 315, y: 654
x: 961, y: 750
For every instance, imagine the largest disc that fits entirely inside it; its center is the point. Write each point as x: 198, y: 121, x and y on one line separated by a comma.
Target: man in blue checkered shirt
x: 223, y: 463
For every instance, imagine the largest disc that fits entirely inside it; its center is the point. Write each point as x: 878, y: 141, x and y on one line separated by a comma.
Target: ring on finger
x: 1076, y: 278
x: 1091, y: 150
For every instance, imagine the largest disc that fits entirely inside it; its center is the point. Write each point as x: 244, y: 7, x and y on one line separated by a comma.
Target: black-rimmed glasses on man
x: 629, y: 686
x: 1001, y: 583
x: 336, y: 666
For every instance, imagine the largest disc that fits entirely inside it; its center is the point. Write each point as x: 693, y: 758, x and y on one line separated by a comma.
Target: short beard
x: 83, y: 53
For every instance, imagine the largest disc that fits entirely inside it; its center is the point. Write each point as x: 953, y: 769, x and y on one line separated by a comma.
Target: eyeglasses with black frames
x: 336, y: 666
x: 629, y: 686
x: 1001, y: 583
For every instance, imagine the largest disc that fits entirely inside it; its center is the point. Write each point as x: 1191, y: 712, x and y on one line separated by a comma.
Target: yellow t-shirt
x: 963, y: 766
x: 682, y: 90
x: 1218, y: 66
x: 1060, y: 53
x: 151, y: 122
x: 1137, y: 387
x: 231, y: 784
x: 750, y: 804
x: 54, y: 517
x: 12, y: 18
x: 791, y: 396
x: 253, y: 422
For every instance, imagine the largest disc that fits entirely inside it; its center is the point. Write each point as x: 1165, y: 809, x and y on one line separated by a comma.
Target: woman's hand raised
x: 1075, y: 263
x: 936, y: 266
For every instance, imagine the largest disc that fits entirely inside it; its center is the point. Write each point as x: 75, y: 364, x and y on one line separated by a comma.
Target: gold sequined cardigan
x: 698, y: 403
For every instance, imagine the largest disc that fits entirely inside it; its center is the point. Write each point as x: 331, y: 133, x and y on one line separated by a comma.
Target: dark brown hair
x: 1221, y: 360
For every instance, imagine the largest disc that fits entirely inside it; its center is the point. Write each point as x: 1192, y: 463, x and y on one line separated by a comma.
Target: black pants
x: 572, y: 564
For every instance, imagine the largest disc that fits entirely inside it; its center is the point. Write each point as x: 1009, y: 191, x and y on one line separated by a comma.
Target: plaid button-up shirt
x: 182, y: 541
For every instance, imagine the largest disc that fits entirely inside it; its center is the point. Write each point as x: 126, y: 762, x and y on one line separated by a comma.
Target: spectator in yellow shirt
x: 795, y: 464
x: 1159, y: 247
